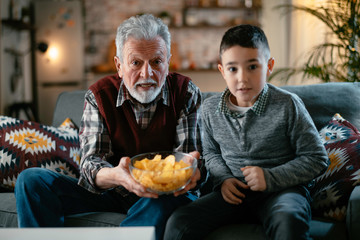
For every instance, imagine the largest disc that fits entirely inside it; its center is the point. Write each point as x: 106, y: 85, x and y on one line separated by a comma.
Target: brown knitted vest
x: 127, y: 137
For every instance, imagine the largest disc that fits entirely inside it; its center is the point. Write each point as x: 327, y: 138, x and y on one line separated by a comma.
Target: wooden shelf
x: 200, y: 26
x: 17, y: 24
x: 241, y: 7
x: 213, y: 16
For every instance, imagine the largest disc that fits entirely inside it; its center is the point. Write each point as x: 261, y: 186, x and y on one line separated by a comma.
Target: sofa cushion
x: 25, y: 144
x: 70, y: 105
x: 332, y: 189
x: 8, y: 216
x: 325, y: 99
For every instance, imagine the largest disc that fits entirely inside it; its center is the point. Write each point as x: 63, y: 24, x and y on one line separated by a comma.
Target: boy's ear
x: 270, y: 66
x: 221, y: 69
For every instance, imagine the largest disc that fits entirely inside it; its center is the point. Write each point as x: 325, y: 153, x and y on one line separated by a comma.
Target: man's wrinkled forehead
x: 137, y: 47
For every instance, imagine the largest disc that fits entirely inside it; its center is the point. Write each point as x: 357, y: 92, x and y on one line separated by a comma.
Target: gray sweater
x: 282, y: 139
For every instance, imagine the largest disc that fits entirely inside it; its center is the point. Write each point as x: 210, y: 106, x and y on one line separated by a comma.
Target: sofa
x: 322, y: 102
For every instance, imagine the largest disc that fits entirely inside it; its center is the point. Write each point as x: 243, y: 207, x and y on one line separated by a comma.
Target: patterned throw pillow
x: 25, y: 144
x: 332, y: 189
x: 338, y: 129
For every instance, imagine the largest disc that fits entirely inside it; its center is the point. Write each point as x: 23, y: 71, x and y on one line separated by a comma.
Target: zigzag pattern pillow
x: 25, y: 144
x: 332, y: 189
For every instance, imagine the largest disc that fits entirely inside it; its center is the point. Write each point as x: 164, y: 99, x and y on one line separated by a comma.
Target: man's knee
x: 28, y: 176
x: 30, y: 179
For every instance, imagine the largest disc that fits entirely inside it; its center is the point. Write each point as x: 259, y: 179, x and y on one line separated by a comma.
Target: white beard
x: 144, y: 96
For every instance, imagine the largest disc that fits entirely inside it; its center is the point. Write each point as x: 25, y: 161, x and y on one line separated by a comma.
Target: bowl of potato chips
x: 163, y: 172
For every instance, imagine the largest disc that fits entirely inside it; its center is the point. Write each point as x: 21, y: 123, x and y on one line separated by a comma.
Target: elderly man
x: 140, y: 109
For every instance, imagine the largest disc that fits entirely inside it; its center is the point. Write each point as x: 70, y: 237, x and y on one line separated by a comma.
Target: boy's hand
x: 230, y: 190
x: 254, y: 176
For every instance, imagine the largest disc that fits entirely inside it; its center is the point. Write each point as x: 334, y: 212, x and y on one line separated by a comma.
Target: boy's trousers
x: 284, y: 215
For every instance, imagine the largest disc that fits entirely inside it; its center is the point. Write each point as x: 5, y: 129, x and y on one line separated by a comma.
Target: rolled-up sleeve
x: 95, y: 144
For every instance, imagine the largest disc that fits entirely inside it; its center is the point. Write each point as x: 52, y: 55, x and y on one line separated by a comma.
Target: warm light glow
x: 53, y: 53
x: 310, y: 3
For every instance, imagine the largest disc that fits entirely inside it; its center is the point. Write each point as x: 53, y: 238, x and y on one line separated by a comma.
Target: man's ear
x: 270, y: 66
x: 118, y: 65
x: 169, y: 59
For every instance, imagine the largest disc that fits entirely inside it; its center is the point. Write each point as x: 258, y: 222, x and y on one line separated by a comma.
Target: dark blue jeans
x: 284, y: 215
x: 44, y: 197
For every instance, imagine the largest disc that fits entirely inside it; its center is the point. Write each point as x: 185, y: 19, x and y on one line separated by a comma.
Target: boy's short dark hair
x: 247, y: 36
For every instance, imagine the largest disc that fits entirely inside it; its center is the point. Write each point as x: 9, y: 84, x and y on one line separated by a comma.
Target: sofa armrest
x: 353, y: 214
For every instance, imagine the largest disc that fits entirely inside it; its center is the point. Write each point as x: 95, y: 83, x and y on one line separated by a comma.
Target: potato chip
x: 170, y: 160
x: 157, y: 157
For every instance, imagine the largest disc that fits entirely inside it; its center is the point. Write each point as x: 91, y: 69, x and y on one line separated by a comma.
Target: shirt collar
x: 124, y: 95
x: 258, y: 108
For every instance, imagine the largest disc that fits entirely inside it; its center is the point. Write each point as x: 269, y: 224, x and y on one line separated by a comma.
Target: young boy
x: 260, y: 146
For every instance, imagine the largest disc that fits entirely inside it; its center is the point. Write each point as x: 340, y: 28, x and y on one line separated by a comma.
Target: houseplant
x: 338, y: 60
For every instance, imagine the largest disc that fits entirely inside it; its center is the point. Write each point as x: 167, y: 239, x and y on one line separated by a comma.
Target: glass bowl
x: 163, y: 172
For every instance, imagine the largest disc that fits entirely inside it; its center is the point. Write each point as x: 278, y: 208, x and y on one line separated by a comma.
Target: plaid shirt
x: 95, y: 140
x: 258, y: 107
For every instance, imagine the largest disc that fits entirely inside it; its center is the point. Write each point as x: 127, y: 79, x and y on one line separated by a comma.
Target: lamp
x: 42, y: 47
x: 53, y: 53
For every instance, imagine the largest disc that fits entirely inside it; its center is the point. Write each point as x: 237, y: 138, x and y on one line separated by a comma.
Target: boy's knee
x: 174, y: 219
x: 291, y: 213
x: 288, y: 224
x: 288, y: 217
x: 179, y: 225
